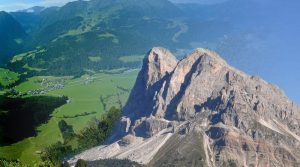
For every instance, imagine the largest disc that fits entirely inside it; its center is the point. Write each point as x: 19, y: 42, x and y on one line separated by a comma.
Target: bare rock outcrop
x: 200, y: 111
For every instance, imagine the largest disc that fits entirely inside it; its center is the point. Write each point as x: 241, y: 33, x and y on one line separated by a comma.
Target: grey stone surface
x: 239, y: 119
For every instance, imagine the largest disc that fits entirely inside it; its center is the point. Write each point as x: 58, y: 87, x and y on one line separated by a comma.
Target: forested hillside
x: 96, y: 35
x: 11, y: 36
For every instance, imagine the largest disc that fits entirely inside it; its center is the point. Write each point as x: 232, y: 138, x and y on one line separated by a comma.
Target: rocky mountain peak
x: 158, y: 63
x: 213, y: 56
x: 202, y: 111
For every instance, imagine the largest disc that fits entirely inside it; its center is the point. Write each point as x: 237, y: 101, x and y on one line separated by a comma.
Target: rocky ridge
x: 200, y: 111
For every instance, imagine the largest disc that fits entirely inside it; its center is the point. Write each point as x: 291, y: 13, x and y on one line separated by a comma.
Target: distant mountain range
x: 93, y: 35
x: 66, y: 40
x: 87, y: 36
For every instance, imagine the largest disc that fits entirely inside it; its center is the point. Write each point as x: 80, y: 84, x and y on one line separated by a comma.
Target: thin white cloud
x: 14, y: 6
x: 48, y: 3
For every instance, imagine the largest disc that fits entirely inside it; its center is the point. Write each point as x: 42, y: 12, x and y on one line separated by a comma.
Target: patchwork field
x: 88, y: 97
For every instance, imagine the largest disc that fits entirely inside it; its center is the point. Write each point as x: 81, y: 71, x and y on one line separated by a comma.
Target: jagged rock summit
x: 200, y: 111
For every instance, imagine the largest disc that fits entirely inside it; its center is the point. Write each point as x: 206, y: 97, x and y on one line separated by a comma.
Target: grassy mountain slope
x: 99, y: 28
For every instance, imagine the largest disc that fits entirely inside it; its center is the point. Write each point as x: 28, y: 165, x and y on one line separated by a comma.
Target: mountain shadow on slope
x: 19, y: 117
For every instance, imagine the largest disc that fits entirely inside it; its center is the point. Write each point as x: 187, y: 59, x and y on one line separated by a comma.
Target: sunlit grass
x: 26, y: 66
x: 30, y: 54
x: 7, y: 77
x: 94, y: 58
x: 84, y: 94
x: 132, y: 58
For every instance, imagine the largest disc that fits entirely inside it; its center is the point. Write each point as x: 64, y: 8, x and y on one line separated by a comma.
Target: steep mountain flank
x: 12, y: 36
x: 110, y: 30
x: 202, y: 112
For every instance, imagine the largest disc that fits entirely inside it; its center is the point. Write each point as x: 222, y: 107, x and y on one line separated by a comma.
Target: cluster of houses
x: 48, y: 85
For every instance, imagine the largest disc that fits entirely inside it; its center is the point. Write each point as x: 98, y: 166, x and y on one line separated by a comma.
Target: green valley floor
x: 89, y: 96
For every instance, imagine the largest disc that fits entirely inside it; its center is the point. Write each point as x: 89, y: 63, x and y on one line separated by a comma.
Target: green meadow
x: 7, y: 77
x: 132, y: 58
x: 89, y: 97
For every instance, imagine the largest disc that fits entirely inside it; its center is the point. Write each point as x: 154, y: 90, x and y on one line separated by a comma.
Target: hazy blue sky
x: 199, y: 1
x: 275, y: 53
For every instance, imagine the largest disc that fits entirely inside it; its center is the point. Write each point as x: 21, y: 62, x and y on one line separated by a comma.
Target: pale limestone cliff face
x: 202, y: 107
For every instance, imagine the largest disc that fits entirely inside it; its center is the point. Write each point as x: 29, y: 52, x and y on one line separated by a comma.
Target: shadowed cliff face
x: 156, y: 68
x: 202, y: 107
